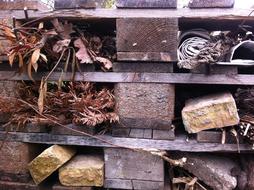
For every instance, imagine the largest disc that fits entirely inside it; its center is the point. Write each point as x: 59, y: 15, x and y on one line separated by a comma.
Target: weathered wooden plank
x: 211, y: 3
x: 216, y: 137
x: 164, y: 134
x: 133, y: 165
x: 119, y: 183
x: 21, y: 4
x: 120, y: 132
x: 70, y: 4
x: 179, y: 144
x: 143, y: 67
x: 145, y: 56
x: 71, y: 130
x: 146, y: 3
x: 226, y: 14
x: 216, y: 69
x: 148, y: 38
x: 141, y: 185
x: 111, y: 77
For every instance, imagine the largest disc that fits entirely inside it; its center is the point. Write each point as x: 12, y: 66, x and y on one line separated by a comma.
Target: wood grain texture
x: 145, y: 56
x: 216, y: 69
x: 164, y: 134
x: 148, y: 35
x: 216, y: 137
x: 70, y: 4
x: 20, y: 4
x: 143, y: 67
x: 132, y: 165
x: 179, y: 144
x: 218, y: 14
x: 146, y: 3
x: 126, y: 77
x: 118, y: 183
x: 211, y: 3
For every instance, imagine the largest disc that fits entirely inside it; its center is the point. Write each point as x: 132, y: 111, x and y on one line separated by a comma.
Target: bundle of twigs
x: 77, y: 102
x: 245, y: 102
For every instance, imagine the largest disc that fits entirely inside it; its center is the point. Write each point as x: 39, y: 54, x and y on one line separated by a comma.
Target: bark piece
x: 83, y: 170
x: 49, y: 161
x: 208, y: 112
x: 215, y: 171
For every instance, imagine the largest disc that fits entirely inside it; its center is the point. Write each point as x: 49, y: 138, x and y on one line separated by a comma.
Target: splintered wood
x: 214, y: 111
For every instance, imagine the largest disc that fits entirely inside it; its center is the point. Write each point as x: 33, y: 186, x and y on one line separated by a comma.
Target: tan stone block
x: 49, y: 161
x: 208, y: 112
x: 83, y: 170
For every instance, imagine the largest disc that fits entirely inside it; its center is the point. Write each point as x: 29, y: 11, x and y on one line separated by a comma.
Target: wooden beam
x: 146, y: 4
x: 126, y: 77
x: 180, y: 144
x: 184, y: 13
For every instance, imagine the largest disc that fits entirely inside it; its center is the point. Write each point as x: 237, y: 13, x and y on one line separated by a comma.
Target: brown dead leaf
x: 35, y: 57
x: 9, y: 33
x: 82, y: 53
x: 11, y: 58
x: 42, y: 95
x: 64, y: 30
x: 29, y: 71
x: 60, y: 45
x: 106, y: 63
x: 21, y: 61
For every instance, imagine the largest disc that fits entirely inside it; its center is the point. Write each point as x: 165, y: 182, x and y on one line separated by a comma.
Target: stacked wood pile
x: 95, y: 98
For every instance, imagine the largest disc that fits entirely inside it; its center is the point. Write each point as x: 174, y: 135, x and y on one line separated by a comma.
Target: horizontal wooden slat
x: 112, y: 77
x: 226, y: 14
x: 180, y: 144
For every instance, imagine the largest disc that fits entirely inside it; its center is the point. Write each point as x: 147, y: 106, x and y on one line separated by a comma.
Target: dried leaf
x: 35, y: 57
x: 63, y: 30
x: 60, y: 45
x: 9, y: 33
x: 11, y: 58
x: 29, y: 71
x: 41, y: 25
x: 106, y: 63
x: 44, y: 57
x: 51, y: 32
x: 21, y: 61
x: 42, y: 95
x: 82, y: 53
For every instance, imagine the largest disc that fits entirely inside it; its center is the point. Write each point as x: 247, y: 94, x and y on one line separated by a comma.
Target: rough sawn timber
x: 126, y: 77
x: 146, y: 3
x: 180, y: 144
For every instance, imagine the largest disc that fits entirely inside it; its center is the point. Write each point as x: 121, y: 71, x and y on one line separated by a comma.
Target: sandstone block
x: 49, y: 161
x: 83, y: 170
x: 145, y: 105
x: 213, y: 111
